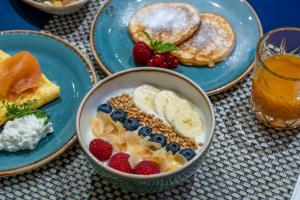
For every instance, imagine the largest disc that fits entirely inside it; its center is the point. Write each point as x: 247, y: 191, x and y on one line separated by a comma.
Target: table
x: 246, y: 160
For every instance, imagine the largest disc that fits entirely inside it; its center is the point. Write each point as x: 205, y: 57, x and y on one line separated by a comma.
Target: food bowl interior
x: 128, y: 81
x: 58, y: 10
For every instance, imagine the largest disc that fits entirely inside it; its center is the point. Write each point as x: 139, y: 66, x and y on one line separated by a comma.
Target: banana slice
x: 174, y: 107
x: 143, y: 97
x: 188, y: 124
x: 162, y: 99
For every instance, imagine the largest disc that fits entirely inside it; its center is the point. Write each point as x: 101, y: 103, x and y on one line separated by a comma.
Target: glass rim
x: 258, y: 55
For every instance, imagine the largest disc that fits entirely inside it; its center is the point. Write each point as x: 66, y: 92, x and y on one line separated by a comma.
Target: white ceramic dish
x: 63, y: 10
x: 126, y: 81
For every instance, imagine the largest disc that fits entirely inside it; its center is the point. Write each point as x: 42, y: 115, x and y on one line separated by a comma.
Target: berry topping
x: 120, y: 156
x: 100, y: 149
x: 158, y: 59
x: 164, y: 65
x: 173, y: 147
x: 171, y: 60
x: 146, y: 168
x: 188, y: 153
x: 141, y: 53
x: 105, y: 108
x: 159, y: 138
x: 173, y: 64
x: 168, y: 57
x: 145, y: 131
x: 151, y: 63
x: 131, y: 124
x: 120, y: 162
x: 118, y: 115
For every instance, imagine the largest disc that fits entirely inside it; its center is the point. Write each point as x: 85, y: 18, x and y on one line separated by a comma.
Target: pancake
x: 168, y: 22
x: 211, y: 43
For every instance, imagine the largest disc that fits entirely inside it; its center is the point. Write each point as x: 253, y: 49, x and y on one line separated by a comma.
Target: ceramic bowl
x: 63, y: 10
x: 133, y: 78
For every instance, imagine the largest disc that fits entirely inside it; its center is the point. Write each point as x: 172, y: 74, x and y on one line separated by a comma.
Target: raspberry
x: 120, y: 162
x: 151, y: 63
x: 120, y: 156
x: 164, y: 65
x: 146, y: 168
x: 168, y: 57
x: 100, y: 149
x: 141, y: 53
x: 158, y: 59
x: 173, y: 64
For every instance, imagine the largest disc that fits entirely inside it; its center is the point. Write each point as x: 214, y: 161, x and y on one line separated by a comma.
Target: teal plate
x: 65, y: 66
x: 112, y: 46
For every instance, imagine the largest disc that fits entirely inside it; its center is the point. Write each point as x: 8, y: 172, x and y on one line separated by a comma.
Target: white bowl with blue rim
x: 133, y: 78
x: 57, y: 10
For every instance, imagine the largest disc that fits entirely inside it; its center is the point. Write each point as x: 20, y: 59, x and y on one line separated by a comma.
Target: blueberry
x: 159, y: 138
x: 131, y: 124
x: 105, y: 108
x: 145, y: 131
x: 188, y: 153
x: 173, y: 147
x: 118, y: 115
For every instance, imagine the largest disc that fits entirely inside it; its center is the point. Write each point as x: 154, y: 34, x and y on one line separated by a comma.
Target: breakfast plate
x: 66, y: 67
x: 112, y: 46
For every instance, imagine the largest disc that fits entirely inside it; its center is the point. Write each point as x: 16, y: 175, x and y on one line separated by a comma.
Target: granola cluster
x: 125, y: 102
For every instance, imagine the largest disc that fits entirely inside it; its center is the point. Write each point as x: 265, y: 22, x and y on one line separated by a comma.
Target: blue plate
x: 112, y: 45
x: 64, y: 65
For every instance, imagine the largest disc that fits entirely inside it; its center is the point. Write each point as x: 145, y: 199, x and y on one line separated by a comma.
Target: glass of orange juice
x: 276, y: 79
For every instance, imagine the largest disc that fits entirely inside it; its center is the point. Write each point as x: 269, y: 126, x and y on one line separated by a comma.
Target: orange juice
x: 276, y: 89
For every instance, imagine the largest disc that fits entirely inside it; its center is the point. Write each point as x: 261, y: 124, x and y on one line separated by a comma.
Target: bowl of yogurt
x: 145, y: 129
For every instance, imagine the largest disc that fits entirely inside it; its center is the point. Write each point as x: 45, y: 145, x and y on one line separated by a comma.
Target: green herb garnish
x: 159, y: 46
x: 14, y: 111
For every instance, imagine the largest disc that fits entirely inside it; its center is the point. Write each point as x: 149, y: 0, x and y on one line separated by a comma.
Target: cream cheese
x: 24, y: 133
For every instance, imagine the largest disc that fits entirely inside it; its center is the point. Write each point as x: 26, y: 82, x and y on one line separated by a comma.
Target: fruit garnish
x: 145, y: 131
x: 141, y: 53
x: 131, y: 124
x: 158, y: 59
x: 146, y: 168
x: 173, y: 147
x: 105, y: 108
x: 120, y: 156
x: 159, y: 138
x: 118, y: 115
x: 14, y: 111
x: 188, y: 153
x: 120, y: 162
x: 151, y: 63
x: 160, y: 47
x: 101, y: 149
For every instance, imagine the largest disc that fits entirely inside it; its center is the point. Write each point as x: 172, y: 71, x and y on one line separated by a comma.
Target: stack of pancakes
x: 203, y: 38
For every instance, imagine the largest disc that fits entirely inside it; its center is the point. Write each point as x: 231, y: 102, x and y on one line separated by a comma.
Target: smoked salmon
x: 19, y: 73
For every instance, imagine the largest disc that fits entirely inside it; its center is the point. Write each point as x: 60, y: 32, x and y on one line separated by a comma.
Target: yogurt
x: 24, y: 133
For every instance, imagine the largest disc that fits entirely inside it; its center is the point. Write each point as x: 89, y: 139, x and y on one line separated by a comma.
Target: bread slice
x: 45, y: 93
x: 211, y: 43
x: 167, y: 22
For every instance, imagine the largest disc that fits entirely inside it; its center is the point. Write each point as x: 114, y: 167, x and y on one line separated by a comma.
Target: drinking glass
x: 276, y: 86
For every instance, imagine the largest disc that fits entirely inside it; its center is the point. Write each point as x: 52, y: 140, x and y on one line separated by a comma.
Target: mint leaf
x: 166, y: 47
x: 159, y: 46
x: 149, y: 38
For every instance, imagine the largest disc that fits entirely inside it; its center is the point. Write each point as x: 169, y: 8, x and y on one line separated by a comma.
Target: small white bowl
x: 61, y: 10
x: 125, y: 81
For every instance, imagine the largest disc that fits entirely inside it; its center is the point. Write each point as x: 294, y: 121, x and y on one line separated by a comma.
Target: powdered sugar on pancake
x: 166, y: 18
x: 211, y: 34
